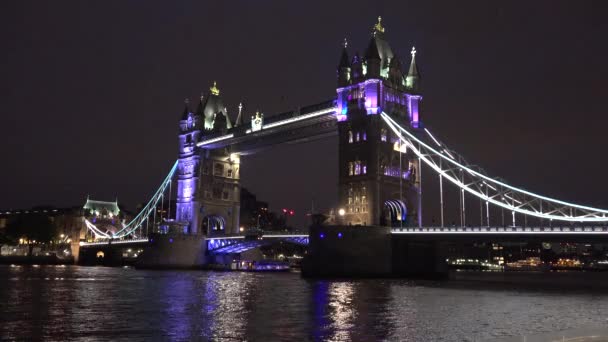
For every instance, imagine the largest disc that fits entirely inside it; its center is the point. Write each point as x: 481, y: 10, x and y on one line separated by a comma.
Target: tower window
x: 364, y: 136
x: 350, y: 137
x: 350, y: 168
x: 218, y: 170
x: 357, y: 167
x: 383, y: 134
x: 357, y: 137
x: 364, y: 168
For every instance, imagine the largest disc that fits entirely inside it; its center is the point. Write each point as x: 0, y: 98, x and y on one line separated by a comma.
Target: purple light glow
x: 339, y: 235
x: 321, y: 235
x: 171, y: 240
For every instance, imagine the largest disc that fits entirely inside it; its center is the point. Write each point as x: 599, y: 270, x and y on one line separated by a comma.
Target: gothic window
x: 218, y: 169
x: 350, y: 137
x: 357, y: 167
x: 363, y: 168
x: 350, y: 200
x: 363, y: 190
x: 357, y: 137
x: 357, y: 209
x: 383, y: 134
x: 350, y: 168
x: 363, y: 199
x: 357, y: 199
x: 364, y: 136
x: 229, y: 173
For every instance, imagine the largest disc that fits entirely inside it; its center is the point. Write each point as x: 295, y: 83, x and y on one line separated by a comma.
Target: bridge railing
x: 504, y: 230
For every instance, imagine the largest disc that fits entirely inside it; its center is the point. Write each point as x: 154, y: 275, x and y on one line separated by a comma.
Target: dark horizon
x: 92, y: 94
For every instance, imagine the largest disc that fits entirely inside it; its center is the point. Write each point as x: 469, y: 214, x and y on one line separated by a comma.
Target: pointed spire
x: 344, y: 60
x: 214, y: 90
x: 186, y: 109
x: 239, y: 118
x: 372, y: 50
x: 378, y: 27
x: 201, y: 106
x: 413, y: 76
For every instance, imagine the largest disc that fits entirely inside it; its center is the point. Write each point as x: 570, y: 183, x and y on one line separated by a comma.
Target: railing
x: 112, y: 242
x: 501, y: 230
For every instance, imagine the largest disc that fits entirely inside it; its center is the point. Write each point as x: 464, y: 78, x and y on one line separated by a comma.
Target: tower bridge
x: 377, y: 114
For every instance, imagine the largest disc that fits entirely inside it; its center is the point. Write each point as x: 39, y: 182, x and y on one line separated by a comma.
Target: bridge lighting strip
x: 499, y: 233
x: 146, y: 209
x: 119, y: 242
x: 491, y: 179
x: 299, y: 118
x: 95, y: 230
x: 214, y: 140
x: 432, y: 137
x: 271, y: 125
x: 458, y: 183
x: 225, y: 238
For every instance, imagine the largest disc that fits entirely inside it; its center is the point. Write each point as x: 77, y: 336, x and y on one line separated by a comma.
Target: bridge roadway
x: 239, y: 243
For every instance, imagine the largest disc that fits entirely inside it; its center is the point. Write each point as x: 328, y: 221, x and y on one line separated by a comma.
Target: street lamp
x: 341, y: 212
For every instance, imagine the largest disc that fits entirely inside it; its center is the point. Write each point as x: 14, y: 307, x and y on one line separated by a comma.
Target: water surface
x: 58, y: 303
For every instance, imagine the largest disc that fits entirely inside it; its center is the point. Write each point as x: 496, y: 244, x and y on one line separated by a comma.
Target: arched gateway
x: 374, y: 168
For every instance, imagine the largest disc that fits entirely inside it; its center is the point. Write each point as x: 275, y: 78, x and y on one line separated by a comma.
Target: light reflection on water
x: 96, y: 303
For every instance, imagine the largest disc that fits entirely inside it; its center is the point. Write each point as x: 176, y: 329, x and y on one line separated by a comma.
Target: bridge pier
x: 174, y: 251
x: 371, y: 251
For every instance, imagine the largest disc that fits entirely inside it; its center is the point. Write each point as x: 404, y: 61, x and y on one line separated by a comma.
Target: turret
x: 239, y: 118
x: 344, y: 75
x: 412, y: 80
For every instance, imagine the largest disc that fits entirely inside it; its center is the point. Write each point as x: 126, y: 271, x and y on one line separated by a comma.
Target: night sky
x: 91, y: 92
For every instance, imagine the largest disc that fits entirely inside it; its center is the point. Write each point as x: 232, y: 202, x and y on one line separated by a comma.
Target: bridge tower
x: 379, y: 181
x: 188, y: 171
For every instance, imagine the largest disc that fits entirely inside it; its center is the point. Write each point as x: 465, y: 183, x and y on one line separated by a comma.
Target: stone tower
x: 188, y: 171
x: 379, y: 178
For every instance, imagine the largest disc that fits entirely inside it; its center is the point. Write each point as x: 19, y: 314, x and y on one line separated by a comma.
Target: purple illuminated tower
x: 379, y: 181
x: 208, y: 190
x: 188, y: 171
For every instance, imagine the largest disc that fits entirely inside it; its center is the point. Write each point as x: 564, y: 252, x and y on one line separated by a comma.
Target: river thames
x: 59, y: 303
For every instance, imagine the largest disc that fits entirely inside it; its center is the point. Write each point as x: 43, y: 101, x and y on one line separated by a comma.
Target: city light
x: 341, y: 212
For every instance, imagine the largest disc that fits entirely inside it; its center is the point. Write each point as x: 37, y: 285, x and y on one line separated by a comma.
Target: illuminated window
x: 363, y: 199
x: 218, y: 169
x: 357, y: 137
x: 350, y: 200
x: 356, y: 199
x: 350, y: 168
x: 229, y: 173
x: 357, y: 167
x: 364, y: 169
x: 383, y: 134
x: 357, y: 209
x: 350, y: 137
x: 364, y: 136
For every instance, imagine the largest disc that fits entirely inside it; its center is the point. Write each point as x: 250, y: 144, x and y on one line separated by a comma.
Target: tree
x: 31, y: 227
